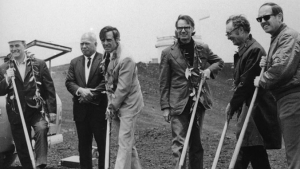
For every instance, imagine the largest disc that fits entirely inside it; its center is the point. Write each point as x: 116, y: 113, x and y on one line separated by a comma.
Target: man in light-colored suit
x: 177, y: 90
x: 85, y: 81
x: 124, y: 95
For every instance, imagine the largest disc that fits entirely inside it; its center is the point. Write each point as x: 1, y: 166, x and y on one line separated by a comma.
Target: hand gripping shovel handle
x: 107, y: 145
x: 214, y: 165
x: 23, y: 123
x: 241, y: 137
x: 186, y: 142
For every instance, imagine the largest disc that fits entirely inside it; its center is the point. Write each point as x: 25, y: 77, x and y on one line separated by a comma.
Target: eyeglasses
x: 186, y: 28
x: 229, y: 33
x: 265, y: 17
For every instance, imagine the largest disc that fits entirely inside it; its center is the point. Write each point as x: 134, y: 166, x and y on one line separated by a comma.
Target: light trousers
x: 127, y: 157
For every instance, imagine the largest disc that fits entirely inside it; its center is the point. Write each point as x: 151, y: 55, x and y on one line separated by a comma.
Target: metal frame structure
x: 48, y: 45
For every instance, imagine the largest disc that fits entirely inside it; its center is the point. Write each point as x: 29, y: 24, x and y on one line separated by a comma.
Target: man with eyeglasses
x: 178, y: 90
x: 282, y: 76
x: 263, y: 130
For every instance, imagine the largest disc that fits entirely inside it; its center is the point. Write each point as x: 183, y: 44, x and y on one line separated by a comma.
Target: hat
x: 23, y: 41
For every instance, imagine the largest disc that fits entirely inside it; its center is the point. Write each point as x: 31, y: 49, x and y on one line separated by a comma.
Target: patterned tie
x: 107, y: 59
x: 89, y: 62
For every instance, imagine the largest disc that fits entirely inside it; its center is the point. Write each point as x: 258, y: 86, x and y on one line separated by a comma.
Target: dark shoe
x: 41, y: 166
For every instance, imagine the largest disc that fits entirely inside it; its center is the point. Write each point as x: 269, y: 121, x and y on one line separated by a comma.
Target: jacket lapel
x: 246, y: 46
x: 177, y: 55
x: 81, y: 70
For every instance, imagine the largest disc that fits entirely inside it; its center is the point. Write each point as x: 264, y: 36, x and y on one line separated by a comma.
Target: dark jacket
x: 76, y: 78
x: 283, y: 71
x: 26, y: 90
x: 263, y: 127
x: 174, y: 86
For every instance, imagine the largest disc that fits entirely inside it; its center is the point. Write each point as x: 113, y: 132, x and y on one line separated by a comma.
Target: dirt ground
x: 153, y: 134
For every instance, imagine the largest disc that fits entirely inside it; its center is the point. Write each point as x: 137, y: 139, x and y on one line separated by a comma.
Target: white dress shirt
x: 22, y: 67
x: 88, y: 69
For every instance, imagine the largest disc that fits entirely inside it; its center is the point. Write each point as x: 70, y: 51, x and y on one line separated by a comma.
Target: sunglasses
x: 265, y: 17
x: 229, y: 33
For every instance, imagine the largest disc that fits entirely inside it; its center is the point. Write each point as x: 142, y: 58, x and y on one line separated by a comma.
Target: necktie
x: 107, y: 59
x: 89, y: 62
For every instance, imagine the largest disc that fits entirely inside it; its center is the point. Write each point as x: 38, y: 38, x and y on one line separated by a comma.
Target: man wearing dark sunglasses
x: 263, y: 131
x: 282, y: 77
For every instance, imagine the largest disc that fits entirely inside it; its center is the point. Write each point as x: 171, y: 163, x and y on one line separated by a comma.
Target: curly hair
x: 239, y: 21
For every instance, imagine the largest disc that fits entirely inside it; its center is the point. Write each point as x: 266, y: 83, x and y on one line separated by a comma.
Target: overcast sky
x: 140, y: 22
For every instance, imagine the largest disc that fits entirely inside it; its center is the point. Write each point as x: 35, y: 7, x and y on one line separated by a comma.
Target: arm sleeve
x: 245, y: 89
x: 216, y: 63
x: 48, y: 85
x: 284, y: 63
x: 165, y: 81
x: 126, y: 73
x: 3, y: 85
x: 70, y: 83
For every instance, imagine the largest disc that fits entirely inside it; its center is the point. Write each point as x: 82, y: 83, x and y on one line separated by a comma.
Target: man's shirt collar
x: 19, y: 63
x: 92, y: 57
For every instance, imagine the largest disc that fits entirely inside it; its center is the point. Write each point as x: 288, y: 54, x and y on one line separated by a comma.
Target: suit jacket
x: 246, y: 68
x: 26, y: 90
x: 125, y: 95
x: 174, y: 86
x: 263, y: 127
x: 76, y: 78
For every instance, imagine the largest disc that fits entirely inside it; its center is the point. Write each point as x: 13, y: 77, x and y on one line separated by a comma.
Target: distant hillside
x: 149, y: 74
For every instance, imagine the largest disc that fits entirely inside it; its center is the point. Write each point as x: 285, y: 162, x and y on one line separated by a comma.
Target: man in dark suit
x: 177, y: 88
x: 35, y: 87
x: 263, y: 130
x: 85, y: 81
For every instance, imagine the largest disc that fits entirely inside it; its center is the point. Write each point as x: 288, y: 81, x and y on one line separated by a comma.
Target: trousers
x: 93, y: 126
x: 127, y: 157
x: 40, y: 127
x: 256, y: 155
x: 179, y: 126
x: 289, y: 115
